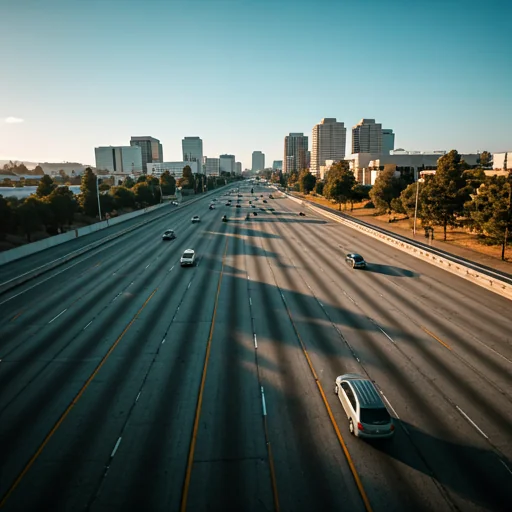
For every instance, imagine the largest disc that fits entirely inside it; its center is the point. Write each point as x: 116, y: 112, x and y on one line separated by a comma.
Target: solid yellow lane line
x: 436, y: 338
x: 351, y: 464
x: 71, y: 405
x: 190, y: 459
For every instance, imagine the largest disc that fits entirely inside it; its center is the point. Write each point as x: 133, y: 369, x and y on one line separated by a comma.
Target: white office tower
x: 295, y: 152
x: 192, y: 149
x: 328, y: 142
x: 367, y: 137
x: 119, y: 159
x: 212, y: 166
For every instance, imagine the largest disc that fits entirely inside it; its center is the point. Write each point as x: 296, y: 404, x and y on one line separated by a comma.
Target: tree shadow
x: 475, y: 474
x: 390, y: 270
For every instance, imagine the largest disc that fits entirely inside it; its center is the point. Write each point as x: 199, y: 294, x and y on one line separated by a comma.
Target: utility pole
x: 509, y: 210
x: 98, y: 195
x: 416, y: 206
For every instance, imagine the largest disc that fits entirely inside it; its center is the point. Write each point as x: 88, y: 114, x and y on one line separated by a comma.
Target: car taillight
x: 360, y: 426
x: 392, y: 427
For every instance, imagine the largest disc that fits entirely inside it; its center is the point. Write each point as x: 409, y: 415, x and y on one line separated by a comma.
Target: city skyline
x: 72, y: 95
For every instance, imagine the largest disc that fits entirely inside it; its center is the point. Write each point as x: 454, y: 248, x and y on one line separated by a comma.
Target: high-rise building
x: 192, y: 149
x: 238, y: 167
x: 227, y: 163
x: 295, y: 152
x: 367, y: 137
x: 328, y: 142
x: 258, y: 161
x: 151, y: 148
x: 119, y: 159
x: 212, y: 166
x: 388, y: 141
x: 277, y: 165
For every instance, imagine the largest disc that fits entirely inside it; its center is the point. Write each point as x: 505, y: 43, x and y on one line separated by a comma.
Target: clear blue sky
x: 242, y: 74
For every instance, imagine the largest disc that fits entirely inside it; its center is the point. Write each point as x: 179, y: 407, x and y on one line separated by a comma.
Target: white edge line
x: 506, y: 467
x: 55, y: 318
x: 115, y: 448
x: 471, y: 421
x: 263, y: 402
x: 87, y: 325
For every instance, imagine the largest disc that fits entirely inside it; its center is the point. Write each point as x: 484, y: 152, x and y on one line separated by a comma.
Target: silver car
x: 363, y: 405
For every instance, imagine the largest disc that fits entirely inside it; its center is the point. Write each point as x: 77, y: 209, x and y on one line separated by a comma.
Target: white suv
x: 366, y: 412
x: 188, y: 258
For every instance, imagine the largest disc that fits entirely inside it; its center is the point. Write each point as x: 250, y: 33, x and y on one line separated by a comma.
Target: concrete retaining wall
x: 493, y: 284
x: 65, y: 237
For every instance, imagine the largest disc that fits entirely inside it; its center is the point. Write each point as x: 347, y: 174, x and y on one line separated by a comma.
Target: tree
x: 63, y: 205
x: 319, y: 188
x: 485, y: 159
x: 445, y: 193
x: 306, y: 181
x: 123, y: 197
x: 387, y: 187
x: 407, y: 201
x: 489, y: 210
x: 28, y: 217
x: 38, y: 170
x: 46, y: 186
x: 88, y: 199
x: 128, y: 182
x: 188, y: 178
x: 143, y: 195
x: 142, y: 178
x: 6, y: 217
x: 292, y: 178
x: 339, y: 183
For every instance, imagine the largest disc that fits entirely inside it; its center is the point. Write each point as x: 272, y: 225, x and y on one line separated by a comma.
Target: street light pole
x: 98, y: 195
x: 416, y: 205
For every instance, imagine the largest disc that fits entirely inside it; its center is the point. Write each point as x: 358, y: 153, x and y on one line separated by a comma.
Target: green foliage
x: 486, y: 159
x: 306, y: 181
x: 38, y: 171
x: 28, y: 216
x: 46, y: 186
x: 319, y: 187
x: 445, y: 193
x: 142, y: 178
x: 6, y: 217
x: 361, y: 192
x: 168, y: 184
x: 123, y: 197
x: 292, y: 178
x: 387, y: 187
x: 339, y: 183
x: 63, y: 206
x: 128, y: 182
x: 188, y: 180
x: 144, y: 195
x: 88, y: 198
x: 407, y: 200
x: 489, y: 210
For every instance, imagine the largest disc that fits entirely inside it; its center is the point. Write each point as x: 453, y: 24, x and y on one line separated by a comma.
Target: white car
x: 169, y: 235
x: 195, y: 219
x: 188, y: 258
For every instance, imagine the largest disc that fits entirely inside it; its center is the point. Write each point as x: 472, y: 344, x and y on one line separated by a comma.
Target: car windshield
x: 375, y: 416
x: 357, y: 258
x: 188, y: 254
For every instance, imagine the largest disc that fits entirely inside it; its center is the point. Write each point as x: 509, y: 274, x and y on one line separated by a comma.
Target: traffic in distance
x: 243, y: 352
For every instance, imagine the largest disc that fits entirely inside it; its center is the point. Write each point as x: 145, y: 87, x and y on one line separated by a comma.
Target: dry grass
x: 458, y: 237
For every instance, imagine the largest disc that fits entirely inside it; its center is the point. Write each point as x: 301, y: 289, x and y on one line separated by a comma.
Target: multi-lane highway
x: 130, y: 383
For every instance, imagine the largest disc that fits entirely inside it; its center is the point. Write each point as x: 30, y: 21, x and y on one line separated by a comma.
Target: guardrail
x: 486, y: 278
x: 27, y: 276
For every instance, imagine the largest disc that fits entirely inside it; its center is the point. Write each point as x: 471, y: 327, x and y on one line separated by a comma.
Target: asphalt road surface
x: 130, y: 383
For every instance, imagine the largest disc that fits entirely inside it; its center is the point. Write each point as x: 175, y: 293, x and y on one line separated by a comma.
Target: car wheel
x: 336, y: 389
x: 351, y: 427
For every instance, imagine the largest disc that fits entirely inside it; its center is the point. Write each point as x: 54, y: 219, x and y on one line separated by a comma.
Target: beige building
x: 329, y: 140
x: 295, y: 156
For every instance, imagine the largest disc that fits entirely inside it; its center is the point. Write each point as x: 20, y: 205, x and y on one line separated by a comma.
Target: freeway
x: 130, y: 383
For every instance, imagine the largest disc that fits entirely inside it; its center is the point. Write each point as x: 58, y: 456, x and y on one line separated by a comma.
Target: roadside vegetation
x: 54, y: 208
x: 454, y: 198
